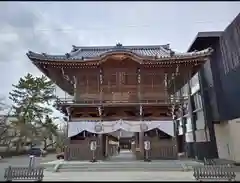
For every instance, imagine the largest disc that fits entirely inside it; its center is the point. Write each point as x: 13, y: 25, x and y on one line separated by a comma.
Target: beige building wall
x: 228, y: 139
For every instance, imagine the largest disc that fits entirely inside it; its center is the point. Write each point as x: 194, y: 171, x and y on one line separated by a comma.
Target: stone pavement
x: 121, y: 176
x: 123, y: 161
x: 118, y: 176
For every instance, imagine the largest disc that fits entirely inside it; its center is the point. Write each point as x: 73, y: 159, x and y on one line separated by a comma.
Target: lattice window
x: 128, y: 79
x: 146, y: 79
x: 197, y: 101
x: 110, y: 79
x: 157, y: 79
x: 93, y: 81
x: 82, y: 80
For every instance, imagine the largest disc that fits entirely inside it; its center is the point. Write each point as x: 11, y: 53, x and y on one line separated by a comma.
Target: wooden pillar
x: 75, y: 87
x: 103, y: 137
x: 141, y: 139
x: 100, y: 84
x: 68, y: 139
x: 106, y: 145
x: 141, y: 134
x: 139, y: 99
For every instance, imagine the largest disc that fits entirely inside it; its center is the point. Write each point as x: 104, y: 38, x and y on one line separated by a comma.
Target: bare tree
x: 62, y: 136
x: 5, y: 137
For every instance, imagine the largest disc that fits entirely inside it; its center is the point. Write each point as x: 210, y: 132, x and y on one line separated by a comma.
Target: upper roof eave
x: 166, y: 46
x: 63, y: 58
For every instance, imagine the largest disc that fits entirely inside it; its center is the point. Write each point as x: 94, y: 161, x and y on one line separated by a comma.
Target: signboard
x: 147, y: 145
x: 93, y: 145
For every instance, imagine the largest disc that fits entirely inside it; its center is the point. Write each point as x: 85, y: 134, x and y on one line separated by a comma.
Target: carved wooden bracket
x: 65, y: 76
x: 100, y: 111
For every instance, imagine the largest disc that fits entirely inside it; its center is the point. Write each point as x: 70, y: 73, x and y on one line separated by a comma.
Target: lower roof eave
x: 163, y: 61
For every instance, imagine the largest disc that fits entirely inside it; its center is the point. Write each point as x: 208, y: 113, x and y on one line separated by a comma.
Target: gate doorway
x: 126, y: 135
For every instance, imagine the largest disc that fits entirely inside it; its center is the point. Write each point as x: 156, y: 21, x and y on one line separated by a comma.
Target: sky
x: 53, y: 27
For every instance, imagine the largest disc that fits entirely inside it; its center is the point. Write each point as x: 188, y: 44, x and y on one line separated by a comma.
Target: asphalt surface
x: 22, y: 161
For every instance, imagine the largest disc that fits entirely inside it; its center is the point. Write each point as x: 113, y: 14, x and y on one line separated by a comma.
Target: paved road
x: 125, y: 155
x: 22, y: 161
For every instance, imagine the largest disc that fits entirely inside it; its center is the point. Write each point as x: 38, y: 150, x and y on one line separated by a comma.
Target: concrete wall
x: 228, y: 139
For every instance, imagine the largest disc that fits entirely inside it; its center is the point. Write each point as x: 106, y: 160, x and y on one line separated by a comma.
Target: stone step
x: 116, y: 166
x: 122, y: 165
x: 162, y: 165
x: 137, y: 166
x: 127, y: 169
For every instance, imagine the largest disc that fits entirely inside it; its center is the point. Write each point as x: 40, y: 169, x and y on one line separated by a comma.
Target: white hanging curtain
x: 75, y: 128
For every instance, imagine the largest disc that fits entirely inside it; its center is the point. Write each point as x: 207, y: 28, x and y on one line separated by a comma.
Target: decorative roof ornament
x: 74, y: 48
x: 119, y: 45
x: 172, y: 53
x: 67, y: 55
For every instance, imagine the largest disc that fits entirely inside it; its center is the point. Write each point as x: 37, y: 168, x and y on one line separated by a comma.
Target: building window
x: 188, y: 124
x: 185, y: 108
x: 110, y: 79
x: 185, y: 90
x: 180, y: 128
x: 129, y: 79
x: 197, y: 101
x: 194, y: 81
x: 194, y: 84
x: 147, y: 79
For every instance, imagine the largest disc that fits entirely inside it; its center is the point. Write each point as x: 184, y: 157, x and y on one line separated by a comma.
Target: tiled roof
x: 93, y: 52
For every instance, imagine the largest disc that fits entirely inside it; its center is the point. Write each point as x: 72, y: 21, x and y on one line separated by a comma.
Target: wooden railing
x: 67, y: 101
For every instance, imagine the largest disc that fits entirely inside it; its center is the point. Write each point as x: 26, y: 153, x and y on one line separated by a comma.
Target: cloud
x: 54, y: 27
x: 18, y: 34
